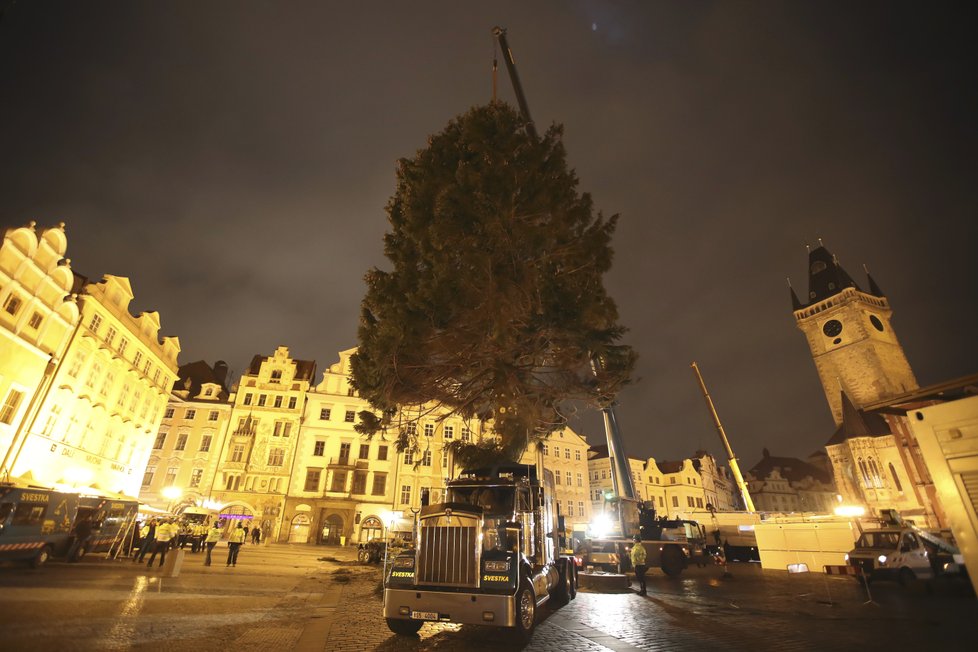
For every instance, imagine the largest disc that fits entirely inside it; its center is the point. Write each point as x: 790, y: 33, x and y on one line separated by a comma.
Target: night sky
x: 233, y: 159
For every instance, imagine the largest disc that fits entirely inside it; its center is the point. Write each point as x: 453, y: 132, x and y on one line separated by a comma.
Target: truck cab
x: 902, y: 554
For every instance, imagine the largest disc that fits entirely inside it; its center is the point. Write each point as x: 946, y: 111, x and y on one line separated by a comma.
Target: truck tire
x: 526, y: 610
x: 41, y: 557
x: 404, y: 627
x: 907, y: 577
x: 561, y: 593
x: 362, y: 556
x: 672, y: 561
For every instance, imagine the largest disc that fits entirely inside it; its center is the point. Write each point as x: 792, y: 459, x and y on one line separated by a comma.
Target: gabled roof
x: 792, y: 469
x: 304, y: 369
x: 200, y: 373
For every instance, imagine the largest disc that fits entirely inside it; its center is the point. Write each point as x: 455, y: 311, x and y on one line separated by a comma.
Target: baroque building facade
x: 93, y: 419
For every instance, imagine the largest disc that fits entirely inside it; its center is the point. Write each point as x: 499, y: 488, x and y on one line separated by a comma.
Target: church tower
x: 849, y: 334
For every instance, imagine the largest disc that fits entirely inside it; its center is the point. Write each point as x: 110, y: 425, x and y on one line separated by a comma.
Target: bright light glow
x: 212, y: 504
x: 171, y: 493
x: 881, y: 559
x: 390, y: 517
x: 77, y: 475
x: 601, y: 525
x: 850, y: 510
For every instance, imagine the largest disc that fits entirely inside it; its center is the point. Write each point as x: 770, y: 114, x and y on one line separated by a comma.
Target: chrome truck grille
x: 449, y: 551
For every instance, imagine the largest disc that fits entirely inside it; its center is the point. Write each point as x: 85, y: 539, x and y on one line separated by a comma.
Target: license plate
x: 424, y: 615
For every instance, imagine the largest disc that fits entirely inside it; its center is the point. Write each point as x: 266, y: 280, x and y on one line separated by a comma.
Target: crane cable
x: 495, y: 66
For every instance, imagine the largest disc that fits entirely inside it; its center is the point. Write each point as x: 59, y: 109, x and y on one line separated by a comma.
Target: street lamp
x: 171, y: 494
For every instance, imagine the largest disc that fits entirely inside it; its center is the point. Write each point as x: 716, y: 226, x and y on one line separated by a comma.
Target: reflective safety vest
x: 638, y: 554
x: 237, y: 535
x: 165, y: 531
x: 213, y: 535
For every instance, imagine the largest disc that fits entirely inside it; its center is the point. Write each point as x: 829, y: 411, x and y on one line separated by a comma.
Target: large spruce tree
x: 495, y: 306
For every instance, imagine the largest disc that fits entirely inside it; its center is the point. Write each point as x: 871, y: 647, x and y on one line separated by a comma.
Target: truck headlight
x: 404, y: 562
x: 881, y: 559
x: 497, y: 566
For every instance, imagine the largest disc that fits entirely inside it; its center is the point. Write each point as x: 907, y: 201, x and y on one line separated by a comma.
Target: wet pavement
x: 281, y: 597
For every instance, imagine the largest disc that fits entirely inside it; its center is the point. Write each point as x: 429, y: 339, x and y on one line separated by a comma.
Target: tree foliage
x: 495, y: 306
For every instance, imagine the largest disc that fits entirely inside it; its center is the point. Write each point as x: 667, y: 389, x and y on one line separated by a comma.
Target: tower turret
x: 853, y: 345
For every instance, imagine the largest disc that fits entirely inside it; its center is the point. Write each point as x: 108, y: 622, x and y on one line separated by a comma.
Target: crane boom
x: 731, y: 459
x: 500, y: 34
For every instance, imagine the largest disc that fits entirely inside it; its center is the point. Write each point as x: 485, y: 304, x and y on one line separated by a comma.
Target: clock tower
x: 849, y: 334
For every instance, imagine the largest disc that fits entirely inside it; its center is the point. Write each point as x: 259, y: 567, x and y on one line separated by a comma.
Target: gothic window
x: 896, y: 479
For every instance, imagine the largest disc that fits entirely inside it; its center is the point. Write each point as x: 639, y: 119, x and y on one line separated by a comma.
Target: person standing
x: 147, y: 540
x: 165, y: 532
x: 246, y: 534
x: 213, y: 536
x: 83, y: 530
x: 638, y: 563
x: 256, y: 535
x: 235, y: 541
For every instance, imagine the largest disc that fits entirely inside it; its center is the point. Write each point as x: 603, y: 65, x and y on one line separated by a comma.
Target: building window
x: 12, y: 304
x: 444, y: 458
x: 349, y: 391
x: 76, y: 364
x: 429, y: 430
x: 448, y: 432
x: 195, y: 476
x: 10, y: 406
x: 324, y: 414
x: 426, y: 458
x: 123, y: 343
x: 350, y: 416
x: 35, y: 321
x: 566, y: 453
x: 190, y: 415
x: 278, y: 402
x: 137, y: 359
x: 205, y: 443
x: 56, y: 413
x: 577, y: 455
x: 181, y: 442
x: 110, y: 335
x: 93, y: 375
x: 212, y: 416
x: 261, y: 400
x: 247, y: 399
x: 406, y: 494
x: 672, y: 480
x: 556, y: 451
x: 557, y: 477
x: 148, y: 475
x: 409, y: 456
x: 160, y: 440
x: 156, y: 379
x: 359, y: 482
x: 171, y: 476
x: 292, y: 402
x: 339, y: 481
x: 382, y: 453
x: 319, y: 448
x: 380, y: 484
x: 896, y: 480
x: 604, y: 474
x: 364, y: 451
x: 168, y: 414
x: 567, y: 477
x: 675, y: 501
x: 95, y: 323
x: 580, y: 480
x: 546, y: 449
x: 580, y: 508
x: 466, y: 434
x: 276, y: 456
x: 345, y: 453
x: 689, y: 501
x: 312, y: 479
x: 276, y: 377
x: 237, y: 453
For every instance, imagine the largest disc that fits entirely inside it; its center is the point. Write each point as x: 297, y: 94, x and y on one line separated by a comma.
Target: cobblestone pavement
x: 315, y: 599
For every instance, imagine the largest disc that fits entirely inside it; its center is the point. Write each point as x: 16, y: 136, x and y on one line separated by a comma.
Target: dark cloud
x: 234, y: 158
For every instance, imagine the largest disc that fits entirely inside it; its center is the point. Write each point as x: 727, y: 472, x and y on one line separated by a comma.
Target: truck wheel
x: 362, y: 556
x: 41, y: 557
x: 526, y: 611
x: 907, y: 577
x: 672, y: 561
x: 404, y: 627
x: 561, y: 593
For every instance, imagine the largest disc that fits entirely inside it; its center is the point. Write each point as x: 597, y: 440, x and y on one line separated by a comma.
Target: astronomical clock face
x: 832, y: 328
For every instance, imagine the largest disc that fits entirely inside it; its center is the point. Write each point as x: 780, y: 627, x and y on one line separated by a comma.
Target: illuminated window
x: 10, y: 406
x: 276, y: 456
